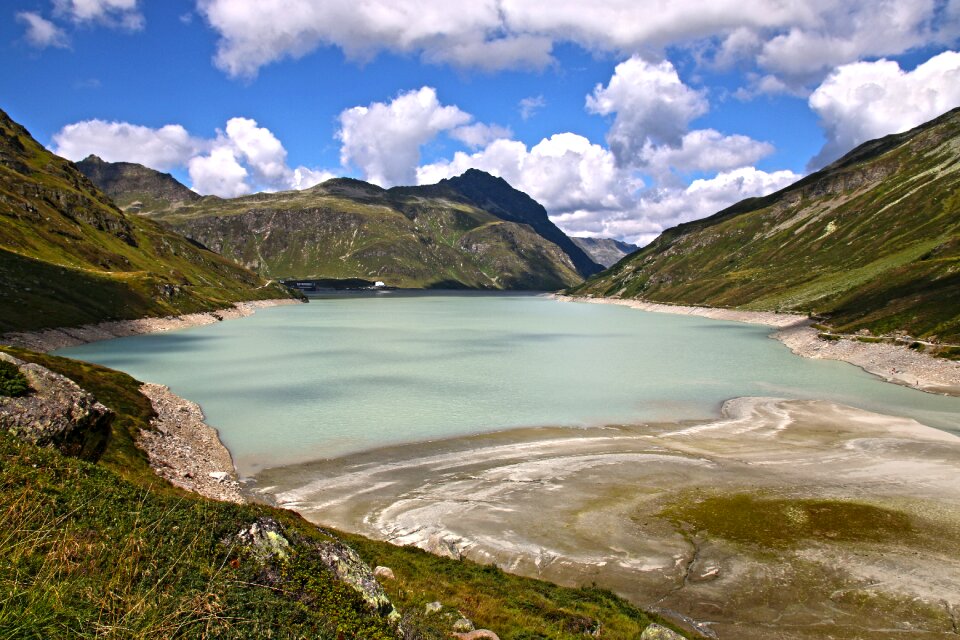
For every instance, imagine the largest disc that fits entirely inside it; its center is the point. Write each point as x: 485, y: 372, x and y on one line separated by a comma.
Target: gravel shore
x: 53, y: 339
x: 185, y: 450
x: 893, y: 363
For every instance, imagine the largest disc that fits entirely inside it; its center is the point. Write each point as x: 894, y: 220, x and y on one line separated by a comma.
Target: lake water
x: 356, y: 372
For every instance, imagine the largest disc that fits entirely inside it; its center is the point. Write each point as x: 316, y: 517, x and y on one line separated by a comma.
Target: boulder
x: 349, y: 568
x: 384, y: 573
x: 56, y: 412
x: 462, y: 625
x: 659, y: 632
x: 479, y: 634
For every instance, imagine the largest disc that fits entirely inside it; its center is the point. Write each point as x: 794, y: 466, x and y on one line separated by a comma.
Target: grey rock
x: 433, y: 607
x: 463, y: 625
x: 346, y: 564
x: 265, y: 539
x: 659, y: 632
x: 384, y: 573
x: 57, y: 412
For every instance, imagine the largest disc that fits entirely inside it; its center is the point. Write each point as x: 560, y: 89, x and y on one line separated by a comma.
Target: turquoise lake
x: 349, y: 373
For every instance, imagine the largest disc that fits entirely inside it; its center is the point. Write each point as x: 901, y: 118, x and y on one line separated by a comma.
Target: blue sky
x: 639, y: 115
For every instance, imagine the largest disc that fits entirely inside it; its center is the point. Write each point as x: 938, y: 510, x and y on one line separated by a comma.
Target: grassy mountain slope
x: 68, y: 256
x: 869, y: 242
x: 105, y: 549
x: 433, y: 236
x: 605, y: 251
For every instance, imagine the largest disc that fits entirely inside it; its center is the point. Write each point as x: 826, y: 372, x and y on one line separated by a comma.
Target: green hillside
x: 869, y: 242
x: 473, y: 231
x: 69, y: 256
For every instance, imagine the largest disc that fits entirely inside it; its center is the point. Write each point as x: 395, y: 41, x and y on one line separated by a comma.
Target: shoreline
x: 893, y: 363
x: 185, y: 450
x: 47, y: 340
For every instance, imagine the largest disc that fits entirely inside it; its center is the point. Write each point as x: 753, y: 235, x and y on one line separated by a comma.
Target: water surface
x: 357, y: 372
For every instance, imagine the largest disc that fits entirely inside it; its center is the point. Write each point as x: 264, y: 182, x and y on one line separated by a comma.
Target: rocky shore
x: 52, y: 339
x: 185, y: 450
x: 893, y: 363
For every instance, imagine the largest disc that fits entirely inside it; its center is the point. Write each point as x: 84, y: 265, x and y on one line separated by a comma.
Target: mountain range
x: 870, y: 242
x: 472, y: 231
x: 605, y: 251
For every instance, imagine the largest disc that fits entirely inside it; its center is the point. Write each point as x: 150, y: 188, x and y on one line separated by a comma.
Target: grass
x: 12, y: 383
x: 103, y: 548
x: 771, y: 522
x: 516, y: 608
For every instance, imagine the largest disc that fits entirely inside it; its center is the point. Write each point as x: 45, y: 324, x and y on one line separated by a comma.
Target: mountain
x: 134, y: 187
x: 69, y: 256
x: 605, y: 251
x: 474, y: 231
x: 871, y: 241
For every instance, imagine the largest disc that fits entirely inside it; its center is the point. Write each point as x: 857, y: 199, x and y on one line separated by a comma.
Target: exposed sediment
x: 52, y: 339
x: 629, y: 507
x: 894, y: 363
x: 185, y: 450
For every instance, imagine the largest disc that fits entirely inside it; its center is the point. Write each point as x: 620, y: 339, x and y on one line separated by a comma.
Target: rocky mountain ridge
x: 473, y: 231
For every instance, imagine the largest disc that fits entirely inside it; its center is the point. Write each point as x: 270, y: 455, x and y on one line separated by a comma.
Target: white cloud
x: 41, y: 33
x: 657, y: 209
x: 240, y: 159
x: 704, y: 150
x: 651, y: 104
x: 219, y: 173
x: 162, y: 149
x: 115, y: 13
x: 479, y: 134
x: 530, y: 105
x: 867, y: 100
x: 383, y: 140
x: 262, y: 151
x: 799, y: 41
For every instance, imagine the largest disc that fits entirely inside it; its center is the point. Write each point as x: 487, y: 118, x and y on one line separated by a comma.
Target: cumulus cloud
x: 704, y: 150
x: 115, y: 13
x: 657, y: 209
x: 219, y: 173
x: 162, y: 149
x: 651, y: 105
x: 383, y: 140
x: 41, y: 33
x: 867, y: 100
x: 242, y: 158
x: 479, y: 134
x: 797, y: 41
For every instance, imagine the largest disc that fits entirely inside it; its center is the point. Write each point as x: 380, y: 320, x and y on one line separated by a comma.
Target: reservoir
x: 352, y: 373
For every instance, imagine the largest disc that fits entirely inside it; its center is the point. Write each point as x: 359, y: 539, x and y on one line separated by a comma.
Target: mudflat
x: 781, y: 519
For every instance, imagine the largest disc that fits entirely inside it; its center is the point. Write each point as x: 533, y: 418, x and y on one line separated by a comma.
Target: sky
x: 622, y: 117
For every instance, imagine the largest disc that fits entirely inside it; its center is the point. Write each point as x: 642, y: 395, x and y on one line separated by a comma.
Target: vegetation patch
x: 777, y: 523
x: 12, y: 383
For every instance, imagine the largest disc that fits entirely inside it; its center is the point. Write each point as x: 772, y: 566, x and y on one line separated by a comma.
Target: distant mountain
x: 474, y: 231
x: 870, y: 242
x: 69, y: 256
x: 134, y: 187
x: 605, y: 251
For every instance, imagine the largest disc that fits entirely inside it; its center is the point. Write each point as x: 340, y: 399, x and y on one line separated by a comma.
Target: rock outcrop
x: 55, y: 412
